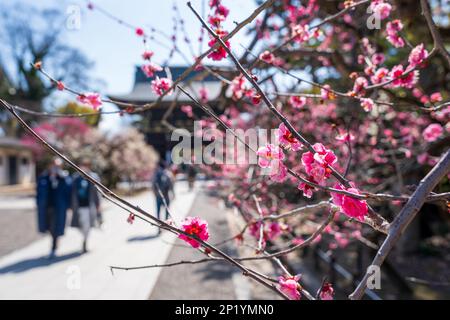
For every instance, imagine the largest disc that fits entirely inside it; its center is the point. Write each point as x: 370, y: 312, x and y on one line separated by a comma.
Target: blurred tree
x: 124, y: 156
x: 28, y: 35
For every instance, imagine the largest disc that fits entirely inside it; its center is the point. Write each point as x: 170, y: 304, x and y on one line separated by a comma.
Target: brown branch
x: 405, y: 217
x: 438, y: 43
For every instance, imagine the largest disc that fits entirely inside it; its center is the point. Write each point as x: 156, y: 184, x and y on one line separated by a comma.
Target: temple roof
x: 142, y: 92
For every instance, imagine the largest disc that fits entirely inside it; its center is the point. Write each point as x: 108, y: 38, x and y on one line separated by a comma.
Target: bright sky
x: 116, y: 49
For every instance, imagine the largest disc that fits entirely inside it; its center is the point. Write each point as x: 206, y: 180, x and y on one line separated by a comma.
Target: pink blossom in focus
x: 360, y: 84
x: 289, y: 286
x: 287, y: 139
x: 400, y: 79
x: 196, y: 227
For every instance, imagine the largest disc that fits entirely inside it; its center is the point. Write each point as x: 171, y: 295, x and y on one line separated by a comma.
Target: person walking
x: 53, y: 200
x: 85, y: 203
x: 163, y: 188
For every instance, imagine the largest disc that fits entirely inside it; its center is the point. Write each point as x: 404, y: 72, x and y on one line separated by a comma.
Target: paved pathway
x: 28, y: 274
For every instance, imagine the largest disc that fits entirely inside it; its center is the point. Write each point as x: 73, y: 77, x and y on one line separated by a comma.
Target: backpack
x: 163, y: 181
x: 82, y: 192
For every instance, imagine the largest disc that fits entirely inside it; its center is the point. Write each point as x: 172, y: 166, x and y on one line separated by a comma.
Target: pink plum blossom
x: 150, y: 69
x: 287, y: 139
x: 267, y: 56
x: 187, y: 109
x: 367, y: 104
x: 297, y: 101
x: 392, y: 29
x: 218, y: 53
x: 417, y: 56
x: 345, y: 137
x: 278, y: 171
x: 326, y: 93
x: 203, y: 92
x: 327, y: 292
x: 306, y: 188
x: 381, y: 9
x: 289, y: 286
x: 161, y: 85
x: 379, y: 75
x: 269, y: 153
x: 147, y: 54
x: 130, y: 218
x: 436, y: 97
x: 317, y: 164
x: 196, y: 227
x: 90, y: 98
x: 354, y: 208
x: 360, y: 84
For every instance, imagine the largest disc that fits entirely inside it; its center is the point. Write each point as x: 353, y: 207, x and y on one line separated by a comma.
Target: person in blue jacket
x: 53, y: 200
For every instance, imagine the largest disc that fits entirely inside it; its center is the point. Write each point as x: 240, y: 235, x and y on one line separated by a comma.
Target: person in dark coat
x: 85, y: 203
x: 162, y: 187
x: 53, y: 200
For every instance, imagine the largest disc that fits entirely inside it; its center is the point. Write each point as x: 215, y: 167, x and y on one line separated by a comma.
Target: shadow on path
x: 44, y: 261
x: 143, y: 238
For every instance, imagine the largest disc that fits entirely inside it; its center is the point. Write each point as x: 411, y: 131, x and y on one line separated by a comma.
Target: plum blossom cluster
x: 317, y: 167
x: 215, y: 20
x: 161, y: 85
x: 352, y: 207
